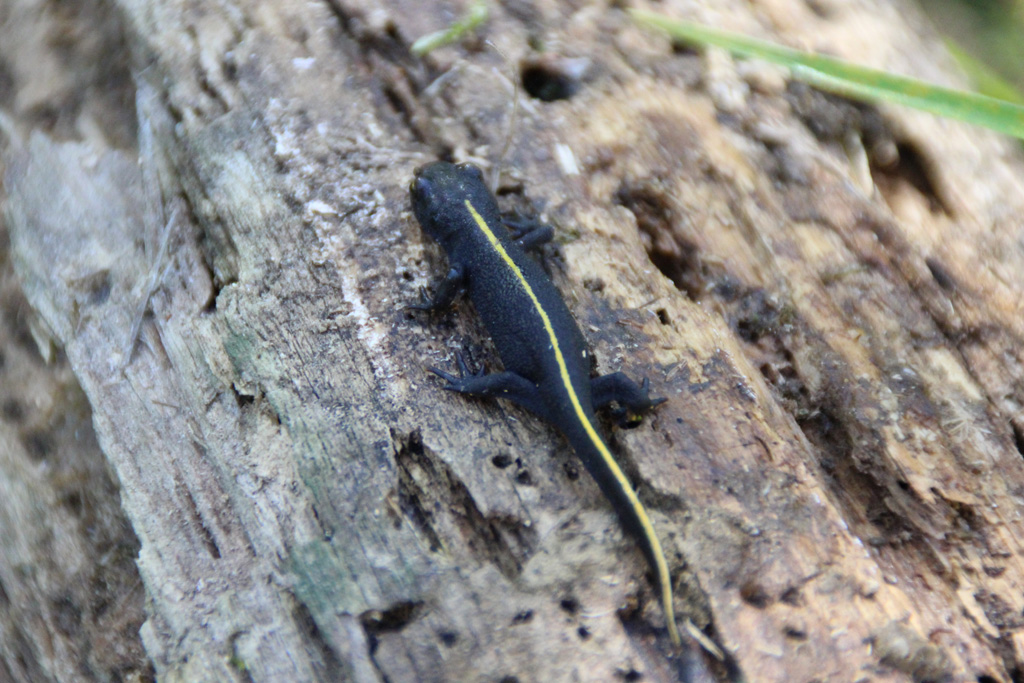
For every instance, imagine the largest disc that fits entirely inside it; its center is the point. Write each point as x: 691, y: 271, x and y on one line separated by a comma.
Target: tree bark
x: 208, y: 215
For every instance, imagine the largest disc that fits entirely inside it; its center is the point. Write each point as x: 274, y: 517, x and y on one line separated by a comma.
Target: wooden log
x: 829, y: 294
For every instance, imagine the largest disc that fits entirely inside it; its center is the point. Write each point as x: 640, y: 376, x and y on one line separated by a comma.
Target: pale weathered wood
x: 835, y: 477
x: 71, y: 599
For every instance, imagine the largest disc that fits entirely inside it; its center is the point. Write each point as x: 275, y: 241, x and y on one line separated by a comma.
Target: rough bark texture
x: 207, y: 212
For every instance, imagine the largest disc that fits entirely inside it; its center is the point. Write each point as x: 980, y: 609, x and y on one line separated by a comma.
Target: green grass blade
x: 850, y: 80
x: 985, y: 80
x: 475, y: 16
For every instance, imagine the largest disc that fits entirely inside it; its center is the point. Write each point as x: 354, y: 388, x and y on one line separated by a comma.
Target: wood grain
x: 829, y: 294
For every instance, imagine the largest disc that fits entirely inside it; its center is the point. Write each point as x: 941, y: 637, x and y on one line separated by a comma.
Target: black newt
x: 547, y: 364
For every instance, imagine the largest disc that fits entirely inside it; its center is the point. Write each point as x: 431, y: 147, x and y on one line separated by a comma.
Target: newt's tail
x: 598, y: 460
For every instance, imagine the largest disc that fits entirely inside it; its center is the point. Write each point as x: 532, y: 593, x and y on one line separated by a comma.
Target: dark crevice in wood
x: 822, y: 8
x: 395, y: 76
x: 388, y: 44
x: 437, y: 504
x: 38, y: 444
x: 792, y: 596
x: 676, y: 258
x: 197, y: 519
x: 206, y: 262
x: 329, y: 659
x: 758, y: 314
x: 755, y: 595
x: 550, y: 79
x: 524, y: 617
x: 910, y: 168
x: 15, y: 317
x: 1018, y: 438
x: 828, y: 117
x: 939, y: 273
x: 7, y: 86
x: 411, y: 501
x: 242, y: 400
x: 67, y: 614
x: 631, y: 676
x: 392, y: 619
x: 524, y: 477
x: 851, y: 478
x: 879, y: 507
x: 832, y: 119
x: 794, y: 633
x: 400, y: 104
x: 203, y: 81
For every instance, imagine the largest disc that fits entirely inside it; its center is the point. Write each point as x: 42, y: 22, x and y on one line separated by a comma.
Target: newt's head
x: 439, y: 192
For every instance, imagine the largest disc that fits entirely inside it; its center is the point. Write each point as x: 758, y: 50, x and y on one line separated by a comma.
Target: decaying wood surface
x: 208, y: 216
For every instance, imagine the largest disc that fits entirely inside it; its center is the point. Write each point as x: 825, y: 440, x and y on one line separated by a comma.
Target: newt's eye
x: 421, y: 187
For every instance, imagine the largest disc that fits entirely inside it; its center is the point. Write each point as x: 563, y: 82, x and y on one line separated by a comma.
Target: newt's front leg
x: 453, y: 284
x: 634, y: 399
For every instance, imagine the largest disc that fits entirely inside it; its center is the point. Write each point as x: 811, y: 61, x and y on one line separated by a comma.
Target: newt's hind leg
x: 528, y: 233
x: 506, y: 385
x: 633, y: 399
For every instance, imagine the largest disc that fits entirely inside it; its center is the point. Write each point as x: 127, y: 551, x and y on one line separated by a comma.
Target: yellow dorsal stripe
x: 664, y: 580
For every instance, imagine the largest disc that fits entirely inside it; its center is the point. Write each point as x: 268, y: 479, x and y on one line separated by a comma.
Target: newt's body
x: 547, y: 365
